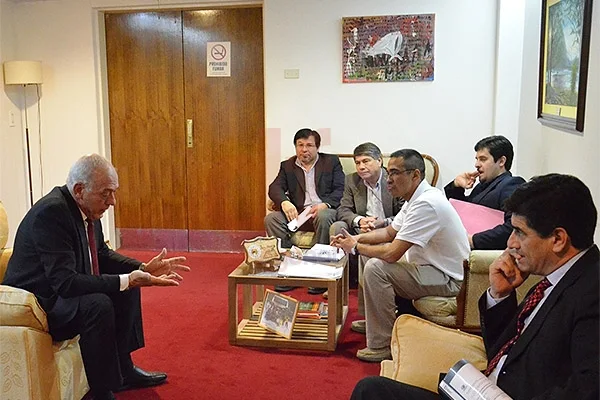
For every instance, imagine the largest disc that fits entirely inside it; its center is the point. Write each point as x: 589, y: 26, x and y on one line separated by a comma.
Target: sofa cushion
x: 421, y: 350
x: 19, y: 307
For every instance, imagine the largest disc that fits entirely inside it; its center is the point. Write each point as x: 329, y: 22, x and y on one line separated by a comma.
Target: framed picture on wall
x: 564, y: 57
x: 388, y: 48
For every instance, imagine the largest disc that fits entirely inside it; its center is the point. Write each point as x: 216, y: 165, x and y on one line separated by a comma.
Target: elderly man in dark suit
x: 84, y: 287
x: 546, y: 348
x: 493, y: 159
x: 367, y: 204
x: 309, y: 179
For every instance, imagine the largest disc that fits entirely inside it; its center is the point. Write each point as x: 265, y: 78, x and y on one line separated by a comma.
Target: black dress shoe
x: 282, y: 288
x: 138, y: 378
x: 316, y: 290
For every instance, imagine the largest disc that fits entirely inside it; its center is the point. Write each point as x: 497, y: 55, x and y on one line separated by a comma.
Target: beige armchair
x: 33, y: 367
x: 462, y: 312
x: 421, y: 350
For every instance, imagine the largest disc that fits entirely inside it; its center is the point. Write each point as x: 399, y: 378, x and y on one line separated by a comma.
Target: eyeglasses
x: 394, y: 172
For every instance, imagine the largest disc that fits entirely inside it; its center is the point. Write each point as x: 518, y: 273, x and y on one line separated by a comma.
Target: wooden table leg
x: 233, y: 309
x: 246, y: 301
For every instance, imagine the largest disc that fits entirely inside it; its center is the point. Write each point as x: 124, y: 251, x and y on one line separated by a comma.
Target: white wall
x: 549, y: 150
x: 479, y: 88
x: 443, y: 118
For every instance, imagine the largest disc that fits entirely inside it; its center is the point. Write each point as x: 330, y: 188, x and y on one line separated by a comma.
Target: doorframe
x: 101, y: 75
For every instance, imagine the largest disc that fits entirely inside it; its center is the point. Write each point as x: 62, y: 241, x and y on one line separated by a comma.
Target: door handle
x: 189, y: 130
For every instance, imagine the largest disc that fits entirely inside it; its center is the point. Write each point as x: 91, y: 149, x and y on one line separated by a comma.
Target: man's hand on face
x: 466, y: 180
x: 139, y: 278
x: 160, y: 265
x: 314, y: 210
x: 505, y: 275
x: 289, y: 210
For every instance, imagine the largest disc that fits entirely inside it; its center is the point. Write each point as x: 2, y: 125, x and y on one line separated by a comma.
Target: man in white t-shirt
x: 420, y: 254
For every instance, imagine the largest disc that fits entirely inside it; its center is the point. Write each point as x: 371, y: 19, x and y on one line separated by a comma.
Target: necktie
x: 532, y: 301
x: 93, y: 250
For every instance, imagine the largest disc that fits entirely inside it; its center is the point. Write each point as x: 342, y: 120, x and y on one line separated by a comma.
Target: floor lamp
x: 24, y: 73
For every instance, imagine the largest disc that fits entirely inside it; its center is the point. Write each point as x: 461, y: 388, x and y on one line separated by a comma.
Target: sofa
x: 32, y: 365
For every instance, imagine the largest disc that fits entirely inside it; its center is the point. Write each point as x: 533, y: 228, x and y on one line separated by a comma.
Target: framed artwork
x: 388, y: 48
x: 564, y: 56
x: 278, y: 313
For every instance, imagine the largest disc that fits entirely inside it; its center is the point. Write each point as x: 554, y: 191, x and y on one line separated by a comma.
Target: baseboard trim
x: 184, y: 240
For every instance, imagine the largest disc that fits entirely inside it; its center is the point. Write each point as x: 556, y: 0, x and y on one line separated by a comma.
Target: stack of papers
x: 305, y: 269
x: 323, y: 252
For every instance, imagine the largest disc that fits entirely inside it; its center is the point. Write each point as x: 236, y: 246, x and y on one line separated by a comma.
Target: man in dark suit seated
x: 84, y: 287
x: 546, y: 348
x: 309, y: 179
x: 367, y: 204
x: 492, y: 162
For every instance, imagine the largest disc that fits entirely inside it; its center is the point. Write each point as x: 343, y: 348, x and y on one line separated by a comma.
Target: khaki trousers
x: 383, y: 281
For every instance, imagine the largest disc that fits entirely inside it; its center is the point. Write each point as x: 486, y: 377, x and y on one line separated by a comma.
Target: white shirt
x: 431, y: 224
x: 554, y: 278
x: 310, y: 192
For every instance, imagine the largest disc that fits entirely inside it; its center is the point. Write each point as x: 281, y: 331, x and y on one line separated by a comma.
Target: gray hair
x: 368, y: 149
x: 84, y: 170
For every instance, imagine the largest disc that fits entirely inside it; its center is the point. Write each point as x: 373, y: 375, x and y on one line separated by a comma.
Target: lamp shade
x: 22, y: 72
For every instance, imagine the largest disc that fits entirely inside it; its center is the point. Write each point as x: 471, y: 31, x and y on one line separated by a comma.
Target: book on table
x: 312, y: 309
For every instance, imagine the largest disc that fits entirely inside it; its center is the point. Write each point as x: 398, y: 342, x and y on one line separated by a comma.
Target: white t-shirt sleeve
x: 419, y: 224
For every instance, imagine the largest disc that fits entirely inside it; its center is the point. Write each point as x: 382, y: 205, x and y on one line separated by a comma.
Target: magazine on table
x: 465, y: 382
x: 312, y: 309
x: 323, y: 253
x: 305, y: 269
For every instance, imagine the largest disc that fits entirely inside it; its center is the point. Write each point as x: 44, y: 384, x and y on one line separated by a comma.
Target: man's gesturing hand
x: 139, y: 278
x: 160, y: 265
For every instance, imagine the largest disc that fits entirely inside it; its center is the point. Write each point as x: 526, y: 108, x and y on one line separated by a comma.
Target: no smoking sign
x: 218, y: 59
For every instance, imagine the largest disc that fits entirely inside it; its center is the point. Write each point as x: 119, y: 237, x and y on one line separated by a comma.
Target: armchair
x: 421, y: 350
x: 461, y: 312
x: 33, y: 367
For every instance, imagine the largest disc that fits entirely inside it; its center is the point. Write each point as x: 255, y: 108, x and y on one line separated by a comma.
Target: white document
x: 465, y: 382
x: 305, y: 269
x: 323, y: 252
x: 297, y: 222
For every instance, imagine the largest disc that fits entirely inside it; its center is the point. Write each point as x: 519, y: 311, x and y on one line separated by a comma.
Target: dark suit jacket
x: 51, y: 257
x: 289, y: 183
x: 557, y: 355
x: 492, y: 195
x: 354, y: 201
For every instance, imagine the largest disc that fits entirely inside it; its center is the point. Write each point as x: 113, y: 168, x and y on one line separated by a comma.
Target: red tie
x: 93, y: 250
x: 532, y: 301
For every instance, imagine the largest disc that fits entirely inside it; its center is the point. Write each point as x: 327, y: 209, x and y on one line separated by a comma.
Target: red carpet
x: 187, y: 337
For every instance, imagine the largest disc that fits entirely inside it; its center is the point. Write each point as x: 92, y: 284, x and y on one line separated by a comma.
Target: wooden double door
x: 158, y: 89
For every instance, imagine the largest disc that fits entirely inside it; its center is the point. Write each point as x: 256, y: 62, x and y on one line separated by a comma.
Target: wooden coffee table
x: 309, y: 334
